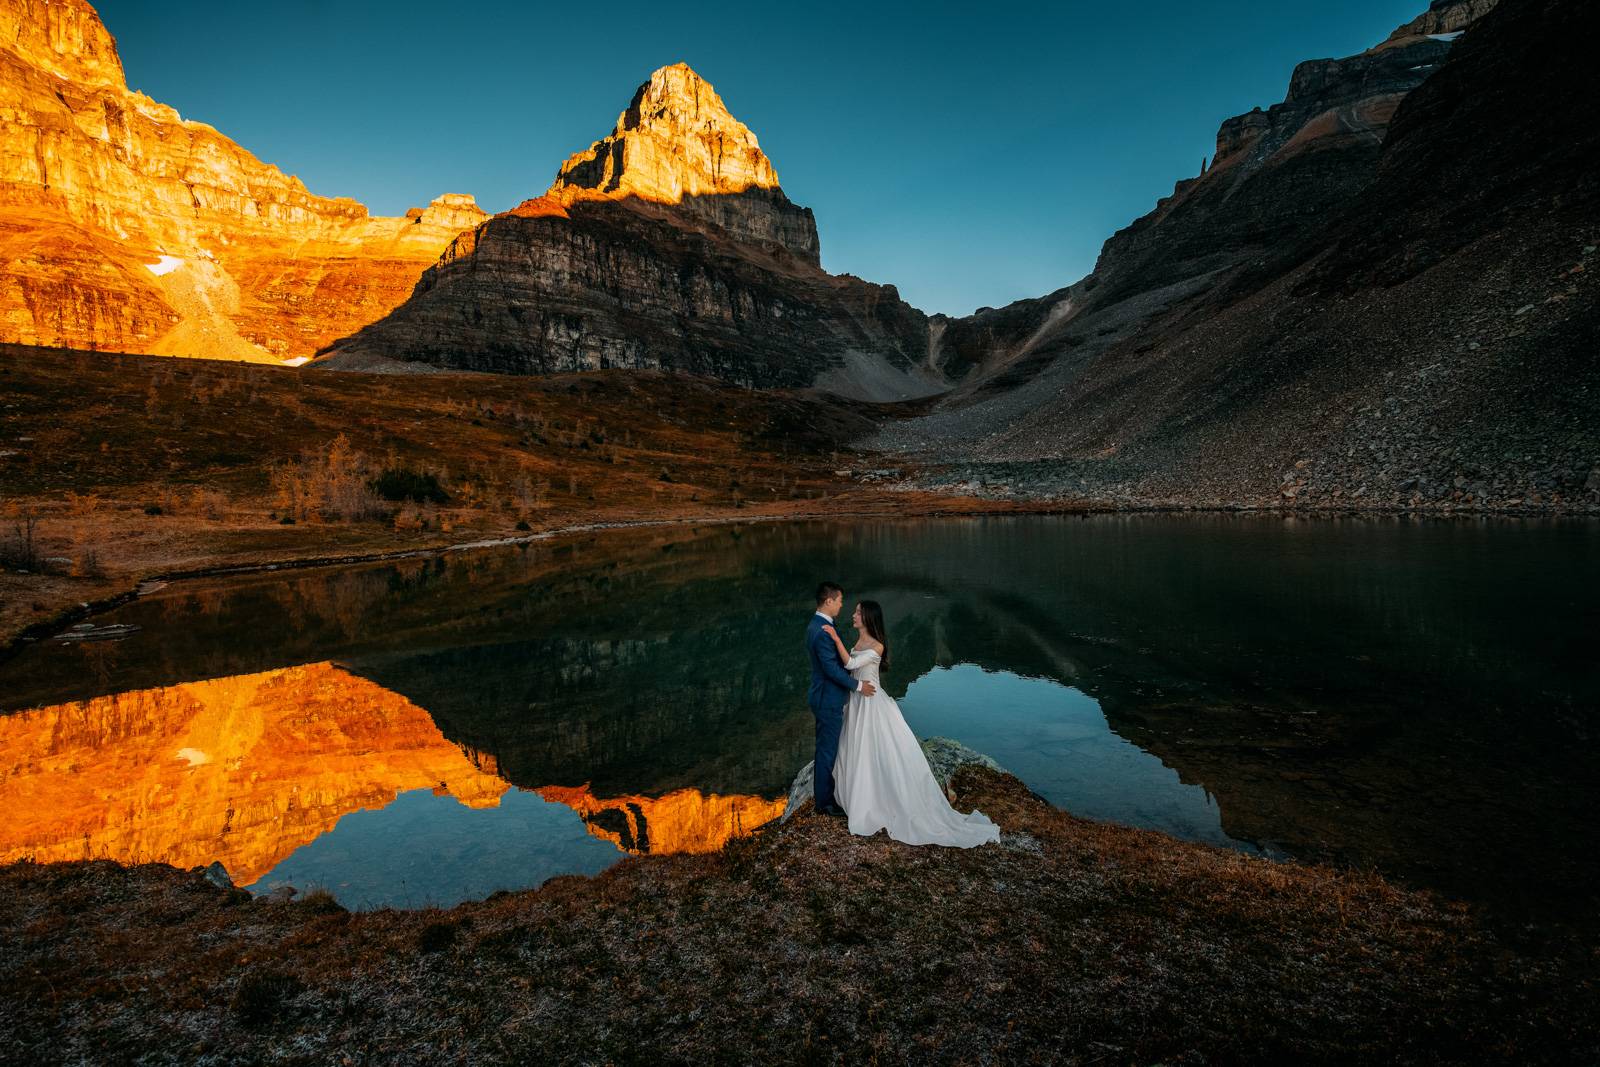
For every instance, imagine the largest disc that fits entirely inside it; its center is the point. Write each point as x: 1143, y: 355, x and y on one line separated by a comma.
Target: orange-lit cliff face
x: 686, y: 820
x: 243, y: 770
x: 125, y: 227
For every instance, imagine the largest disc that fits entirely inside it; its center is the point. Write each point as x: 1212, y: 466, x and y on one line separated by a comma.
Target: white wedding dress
x: 882, y: 779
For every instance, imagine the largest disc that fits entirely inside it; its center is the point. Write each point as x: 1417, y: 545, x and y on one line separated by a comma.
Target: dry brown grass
x: 1072, y: 942
x: 102, y: 425
x: 134, y: 466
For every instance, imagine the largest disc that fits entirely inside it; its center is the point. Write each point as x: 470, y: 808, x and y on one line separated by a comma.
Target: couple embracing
x: 868, y: 762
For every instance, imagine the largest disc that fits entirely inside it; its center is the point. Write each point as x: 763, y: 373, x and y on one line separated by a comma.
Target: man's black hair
x: 825, y: 592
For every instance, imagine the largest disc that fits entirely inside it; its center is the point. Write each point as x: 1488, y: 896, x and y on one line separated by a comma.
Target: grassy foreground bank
x: 1071, y: 942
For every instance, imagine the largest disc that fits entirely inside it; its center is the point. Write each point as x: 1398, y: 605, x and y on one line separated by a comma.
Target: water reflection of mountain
x: 684, y: 820
x: 1412, y: 695
x: 1418, y: 706
x: 243, y: 770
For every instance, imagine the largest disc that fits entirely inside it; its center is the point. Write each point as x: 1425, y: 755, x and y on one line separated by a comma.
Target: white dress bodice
x: 863, y: 665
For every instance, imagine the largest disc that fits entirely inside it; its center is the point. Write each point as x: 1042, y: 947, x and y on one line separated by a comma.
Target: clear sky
x: 970, y: 154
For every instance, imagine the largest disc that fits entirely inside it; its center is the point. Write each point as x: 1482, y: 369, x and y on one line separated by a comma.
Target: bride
x: 881, y: 777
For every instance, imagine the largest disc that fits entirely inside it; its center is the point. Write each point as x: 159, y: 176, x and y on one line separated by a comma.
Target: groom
x: 831, y: 686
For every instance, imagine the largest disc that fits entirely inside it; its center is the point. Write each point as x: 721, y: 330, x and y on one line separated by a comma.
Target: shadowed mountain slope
x: 1371, y: 297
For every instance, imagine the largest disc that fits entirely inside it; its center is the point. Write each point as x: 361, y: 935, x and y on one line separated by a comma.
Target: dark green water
x: 1417, y: 697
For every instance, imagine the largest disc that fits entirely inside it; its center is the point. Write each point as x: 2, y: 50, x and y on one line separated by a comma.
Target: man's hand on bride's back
x: 867, y: 688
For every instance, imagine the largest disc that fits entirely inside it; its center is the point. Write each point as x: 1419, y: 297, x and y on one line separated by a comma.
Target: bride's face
x: 855, y: 617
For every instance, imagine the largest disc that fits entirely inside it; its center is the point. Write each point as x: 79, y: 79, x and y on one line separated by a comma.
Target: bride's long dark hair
x: 872, y: 622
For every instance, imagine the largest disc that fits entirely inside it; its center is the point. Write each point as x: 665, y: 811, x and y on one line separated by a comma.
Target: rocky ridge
x: 1442, y: 17
x: 667, y: 244
x: 1375, y: 297
x: 1274, y: 175
x: 124, y: 226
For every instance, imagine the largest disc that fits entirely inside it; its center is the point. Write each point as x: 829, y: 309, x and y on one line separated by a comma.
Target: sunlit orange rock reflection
x: 247, y: 769
x: 243, y: 770
x: 686, y: 820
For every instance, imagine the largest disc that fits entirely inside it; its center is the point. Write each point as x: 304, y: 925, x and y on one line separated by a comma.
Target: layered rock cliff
x: 124, y: 226
x: 667, y: 244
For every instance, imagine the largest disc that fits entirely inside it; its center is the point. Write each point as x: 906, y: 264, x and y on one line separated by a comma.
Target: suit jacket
x: 831, y: 684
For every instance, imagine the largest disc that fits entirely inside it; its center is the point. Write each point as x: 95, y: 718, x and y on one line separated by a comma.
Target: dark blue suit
x: 831, y: 686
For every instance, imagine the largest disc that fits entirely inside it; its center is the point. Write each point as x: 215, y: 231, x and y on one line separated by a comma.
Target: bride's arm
x: 844, y: 653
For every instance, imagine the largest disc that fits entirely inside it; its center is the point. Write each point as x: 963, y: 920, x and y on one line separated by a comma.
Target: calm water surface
x: 1417, y: 697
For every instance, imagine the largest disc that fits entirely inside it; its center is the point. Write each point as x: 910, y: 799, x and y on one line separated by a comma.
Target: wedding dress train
x: 882, y: 779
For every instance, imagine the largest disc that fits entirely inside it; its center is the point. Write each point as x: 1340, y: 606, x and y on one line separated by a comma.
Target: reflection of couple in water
x: 869, y: 767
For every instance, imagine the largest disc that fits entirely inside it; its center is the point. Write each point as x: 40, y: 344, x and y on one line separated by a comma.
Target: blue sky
x: 971, y: 155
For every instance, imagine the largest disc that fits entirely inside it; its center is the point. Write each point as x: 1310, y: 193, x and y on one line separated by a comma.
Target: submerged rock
x: 217, y: 875
x: 946, y: 756
x: 802, y: 790
x: 88, y: 631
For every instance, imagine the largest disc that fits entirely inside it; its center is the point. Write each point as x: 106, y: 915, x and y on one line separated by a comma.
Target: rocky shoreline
x: 1070, y: 941
x: 1098, y: 486
x: 1002, y: 481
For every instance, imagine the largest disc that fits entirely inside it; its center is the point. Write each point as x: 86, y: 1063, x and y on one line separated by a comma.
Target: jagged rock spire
x: 677, y: 143
x: 675, y: 139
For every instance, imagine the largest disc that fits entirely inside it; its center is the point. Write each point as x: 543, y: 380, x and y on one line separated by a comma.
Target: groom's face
x: 833, y: 604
